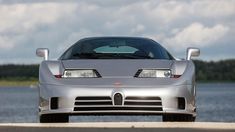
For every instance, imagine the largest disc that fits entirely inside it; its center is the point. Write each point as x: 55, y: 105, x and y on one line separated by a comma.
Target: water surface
x: 215, y: 102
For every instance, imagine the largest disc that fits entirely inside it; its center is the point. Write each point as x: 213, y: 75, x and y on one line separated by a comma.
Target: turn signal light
x: 58, y: 76
x: 176, y: 76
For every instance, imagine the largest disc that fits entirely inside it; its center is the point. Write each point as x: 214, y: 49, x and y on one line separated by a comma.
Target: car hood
x: 117, y: 67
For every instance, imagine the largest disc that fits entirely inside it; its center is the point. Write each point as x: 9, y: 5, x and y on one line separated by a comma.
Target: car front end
x: 118, y: 87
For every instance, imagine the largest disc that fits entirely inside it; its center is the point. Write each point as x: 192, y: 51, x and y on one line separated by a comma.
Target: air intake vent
x: 181, y: 103
x: 143, y: 101
x: 117, y: 109
x: 118, y: 104
x: 54, y: 103
x: 93, y: 98
x: 86, y: 102
x: 138, y: 73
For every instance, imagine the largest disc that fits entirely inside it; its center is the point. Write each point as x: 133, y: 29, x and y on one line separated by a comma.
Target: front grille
x: 131, y: 103
x: 142, y: 103
x: 118, y: 99
x: 89, y: 101
x: 149, y: 102
x: 93, y: 98
x: 117, y: 109
x: 142, y: 98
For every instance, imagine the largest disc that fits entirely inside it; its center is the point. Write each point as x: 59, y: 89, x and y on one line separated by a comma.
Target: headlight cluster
x: 83, y: 73
x: 142, y: 73
x: 153, y: 73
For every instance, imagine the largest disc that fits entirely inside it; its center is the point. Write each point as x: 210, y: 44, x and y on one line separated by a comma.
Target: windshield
x: 116, y: 48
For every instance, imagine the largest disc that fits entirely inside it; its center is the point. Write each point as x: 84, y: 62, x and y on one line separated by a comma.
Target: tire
x: 178, y: 118
x: 54, y: 118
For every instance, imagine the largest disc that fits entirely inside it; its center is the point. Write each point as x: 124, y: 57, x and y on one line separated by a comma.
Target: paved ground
x: 119, y: 127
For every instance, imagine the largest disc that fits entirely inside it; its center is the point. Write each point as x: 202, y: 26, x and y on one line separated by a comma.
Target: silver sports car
x: 117, y: 76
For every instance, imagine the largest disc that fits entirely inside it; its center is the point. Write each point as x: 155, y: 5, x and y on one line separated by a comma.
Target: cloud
x: 197, y: 34
x: 139, y: 28
x: 23, y: 19
x: 27, y: 24
x: 6, y: 43
x: 215, y: 9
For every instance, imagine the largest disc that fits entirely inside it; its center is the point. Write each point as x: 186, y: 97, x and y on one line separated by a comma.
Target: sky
x: 26, y: 25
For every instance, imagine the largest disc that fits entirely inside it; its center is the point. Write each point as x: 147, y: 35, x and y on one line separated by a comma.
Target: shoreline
x: 33, y: 83
x: 21, y: 83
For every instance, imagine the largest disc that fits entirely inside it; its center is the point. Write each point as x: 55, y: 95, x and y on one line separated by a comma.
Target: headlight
x: 145, y: 73
x: 80, y: 73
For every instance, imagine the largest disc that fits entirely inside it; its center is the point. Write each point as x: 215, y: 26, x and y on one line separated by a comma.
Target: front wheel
x: 178, y: 118
x: 53, y: 118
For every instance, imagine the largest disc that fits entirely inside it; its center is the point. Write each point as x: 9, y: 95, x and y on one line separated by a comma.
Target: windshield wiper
x: 133, y: 56
x: 86, y: 55
x: 95, y: 55
x: 110, y: 56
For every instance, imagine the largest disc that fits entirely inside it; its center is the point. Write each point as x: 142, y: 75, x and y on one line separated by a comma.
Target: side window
x: 67, y: 54
x: 165, y: 54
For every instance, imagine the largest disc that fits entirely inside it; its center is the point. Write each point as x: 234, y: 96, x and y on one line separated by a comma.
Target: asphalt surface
x: 120, y: 127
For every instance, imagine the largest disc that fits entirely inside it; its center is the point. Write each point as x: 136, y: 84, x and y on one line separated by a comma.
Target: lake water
x: 215, y: 102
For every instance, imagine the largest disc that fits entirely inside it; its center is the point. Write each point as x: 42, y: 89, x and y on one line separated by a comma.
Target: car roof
x: 114, y: 37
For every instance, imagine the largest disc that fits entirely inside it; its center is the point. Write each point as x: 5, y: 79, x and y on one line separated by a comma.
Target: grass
x: 15, y: 83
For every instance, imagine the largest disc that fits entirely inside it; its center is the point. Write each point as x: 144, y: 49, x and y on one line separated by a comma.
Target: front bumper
x: 168, y: 97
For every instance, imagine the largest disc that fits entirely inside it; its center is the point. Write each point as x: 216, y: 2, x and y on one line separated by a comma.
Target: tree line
x: 19, y: 72
x: 223, y: 70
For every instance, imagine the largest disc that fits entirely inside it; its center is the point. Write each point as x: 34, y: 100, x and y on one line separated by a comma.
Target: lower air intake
x: 54, y: 103
x: 181, y: 103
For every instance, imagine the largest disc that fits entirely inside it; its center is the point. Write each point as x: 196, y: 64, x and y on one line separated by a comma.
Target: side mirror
x: 192, y: 52
x: 43, y: 52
